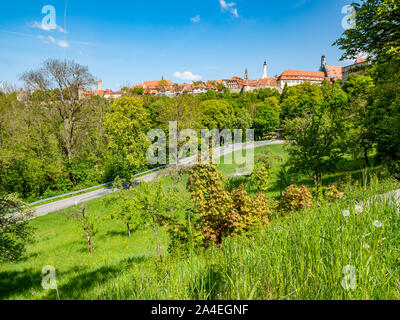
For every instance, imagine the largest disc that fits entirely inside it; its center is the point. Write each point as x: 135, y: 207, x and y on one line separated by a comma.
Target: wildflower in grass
x: 346, y: 213
x: 359, y: 209
x: 366, y: 246
x: 378, y: 224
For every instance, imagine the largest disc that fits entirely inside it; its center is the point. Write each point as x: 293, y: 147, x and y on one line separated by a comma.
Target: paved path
x: 66, y: 203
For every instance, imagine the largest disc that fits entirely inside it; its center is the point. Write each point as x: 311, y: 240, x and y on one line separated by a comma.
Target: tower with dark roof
x: 246, y: 75
x: 265, y: 75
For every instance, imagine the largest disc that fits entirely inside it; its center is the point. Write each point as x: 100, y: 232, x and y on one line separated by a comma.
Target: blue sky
x: 126, y: 42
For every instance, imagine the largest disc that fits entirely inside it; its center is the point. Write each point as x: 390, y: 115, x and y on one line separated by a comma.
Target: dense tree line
x: 55, y: 141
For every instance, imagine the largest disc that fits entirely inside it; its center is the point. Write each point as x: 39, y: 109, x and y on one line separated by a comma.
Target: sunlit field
x: 299, y: 256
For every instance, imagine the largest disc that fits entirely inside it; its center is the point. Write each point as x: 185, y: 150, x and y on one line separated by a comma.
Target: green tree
x: 316, y: 133
x: 217, y: 114
x: 58, y: 85
x: 313, y: 147
x: 267, y: 119
x: 126, y: 127
x: 359, y: 138
x: 15, y: 230
x: 124, y: 206
x: 153, y: 204
x: 31, y: 162
x: 376, y: 34
x: 89, y: 224
x: 183, y: 109
x: 299, y: 99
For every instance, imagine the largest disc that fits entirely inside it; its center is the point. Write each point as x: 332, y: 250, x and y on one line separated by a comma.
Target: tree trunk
x: 89, y: 240
x: 366, y: 156
x: 316, y: 180
x: 129, y: 230
x: 68, y: 140
x: 159, y: 254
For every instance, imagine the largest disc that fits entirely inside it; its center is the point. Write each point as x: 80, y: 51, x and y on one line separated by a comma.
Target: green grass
x: 297, y: 257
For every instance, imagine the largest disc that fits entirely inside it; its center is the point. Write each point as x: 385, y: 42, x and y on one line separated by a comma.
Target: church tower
x: 323, y: 62
x: 265, y: 75
x: 246, y: 75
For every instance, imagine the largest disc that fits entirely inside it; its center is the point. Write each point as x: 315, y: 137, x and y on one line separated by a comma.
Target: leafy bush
x: 222, y: 213
x: 184, y: 237
x: 15, y: 231
x: 295, y: 198
x: 248, y: 212
x: 259, y: 178
x: 330, y: 194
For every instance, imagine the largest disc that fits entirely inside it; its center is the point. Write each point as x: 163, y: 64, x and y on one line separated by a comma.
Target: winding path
x: 66, y: 203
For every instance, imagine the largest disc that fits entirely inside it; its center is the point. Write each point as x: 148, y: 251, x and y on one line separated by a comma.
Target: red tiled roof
x: 302, y: 75
x: 272, y: 82
x: 334, y: 71
x: 361, y: 60
x: 154, y: 84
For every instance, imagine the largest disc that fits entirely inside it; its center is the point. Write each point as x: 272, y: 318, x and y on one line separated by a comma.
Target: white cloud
x: 47, y: 27
x: 63, y: 44
x: 187, y: 75
x: 60, y: 43
x: 195, y: 19
x: 231, y: 7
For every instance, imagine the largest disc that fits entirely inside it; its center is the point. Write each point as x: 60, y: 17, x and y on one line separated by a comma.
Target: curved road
x: 66, y: 203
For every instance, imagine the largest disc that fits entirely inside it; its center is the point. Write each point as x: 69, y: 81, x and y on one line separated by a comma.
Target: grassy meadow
x: 299, y: 256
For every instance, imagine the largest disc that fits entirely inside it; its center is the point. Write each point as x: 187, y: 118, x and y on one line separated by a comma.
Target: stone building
x: 358, y: 68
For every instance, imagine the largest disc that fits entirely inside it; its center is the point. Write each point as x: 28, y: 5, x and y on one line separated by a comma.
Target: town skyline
x: 130, y: 41
x: 236, y: 84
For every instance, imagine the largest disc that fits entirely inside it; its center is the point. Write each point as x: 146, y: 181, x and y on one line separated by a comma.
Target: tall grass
x: 300, y: 256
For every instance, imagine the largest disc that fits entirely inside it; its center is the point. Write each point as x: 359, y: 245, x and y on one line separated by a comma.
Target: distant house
x: 358, y: 68
x: 108, y: 93
x: 200, y: 88
x: 153, y: 87
x: 114, y: 95
x: 234, y: 84
x: 168, y: 91
x: 295, y: 77
x: 263, y: 83
x: 332, y: 73
x: 22, y: 95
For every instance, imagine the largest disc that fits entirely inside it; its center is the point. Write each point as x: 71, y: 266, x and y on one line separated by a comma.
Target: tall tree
x: 377, y: 34
x: 267, y: 119
x: 315, y: 132
x: 359, y: 137
x: 60, y: 84
x: 217, y: 114
x: 126, y: 127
